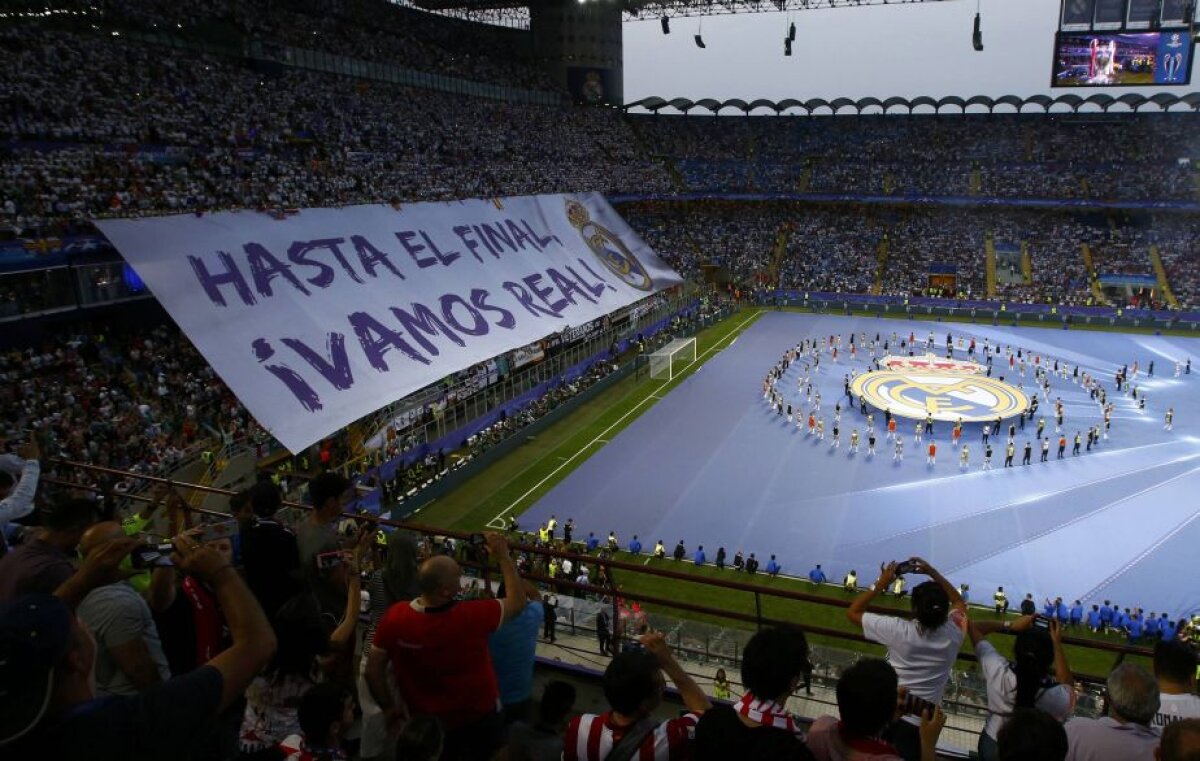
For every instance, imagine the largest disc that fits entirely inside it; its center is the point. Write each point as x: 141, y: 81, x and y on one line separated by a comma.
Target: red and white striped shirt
x: 768, y: 713
x: 591, y: 738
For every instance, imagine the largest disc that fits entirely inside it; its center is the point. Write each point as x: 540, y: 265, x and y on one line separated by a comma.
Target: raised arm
x: 956, y: 600
x: 1062, y: 670
x: 978, y: 630
x: 375, y: 673
x: 693, y: 697
x: 932, y: 721
x: 514, y: 591
x: 342, y: 638
x: 253, y: 639
x: 19, y: 501
x: 859, y: 605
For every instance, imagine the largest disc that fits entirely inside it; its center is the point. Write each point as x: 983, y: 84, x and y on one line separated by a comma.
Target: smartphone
x: 152, y: 555
x: 327, y: 560
x: 211, y: 532
x: 1041, y: 622
x: 907, y: 566
x: 915, y: 706
x: 477, y: 540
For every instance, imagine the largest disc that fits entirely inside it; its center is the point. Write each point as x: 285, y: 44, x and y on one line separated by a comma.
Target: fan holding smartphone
x: 922, y: 649
x: 1026, y: 682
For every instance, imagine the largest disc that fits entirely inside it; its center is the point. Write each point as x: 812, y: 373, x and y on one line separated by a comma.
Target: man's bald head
x: 98, y: 534
x: 439, y: 578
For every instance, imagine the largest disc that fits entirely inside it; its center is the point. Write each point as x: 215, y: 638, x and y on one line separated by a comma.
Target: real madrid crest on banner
x: 608, y: 248
x: 946, y: 389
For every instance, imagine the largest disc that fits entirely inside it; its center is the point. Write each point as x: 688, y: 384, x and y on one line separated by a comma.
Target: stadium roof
x: 656, y: 8
x: 948, y: 104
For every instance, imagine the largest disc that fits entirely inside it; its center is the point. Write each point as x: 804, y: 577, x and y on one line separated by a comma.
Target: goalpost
x: 667, y: 362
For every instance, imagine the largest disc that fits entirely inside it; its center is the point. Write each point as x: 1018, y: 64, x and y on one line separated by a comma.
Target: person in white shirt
x: 922, y: 649
x: 18, y: 483
x: 1175, y: 669
x: 1025, y: 682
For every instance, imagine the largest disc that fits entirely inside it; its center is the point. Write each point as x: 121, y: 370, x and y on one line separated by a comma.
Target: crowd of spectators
x: 208, y: 132
x: 424, y: 471
x: 1008, y: 156
x: 836, y: 248
x: 107, y: 126
x: 247, y: 646
x: 921, y: 242
x: 373, y: 30
x: 136, y: 400
x: 1178, y: 244
x: 824, y: 253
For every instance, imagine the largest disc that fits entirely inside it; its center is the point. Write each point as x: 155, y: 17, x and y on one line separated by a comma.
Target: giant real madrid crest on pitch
x: 947, y: 389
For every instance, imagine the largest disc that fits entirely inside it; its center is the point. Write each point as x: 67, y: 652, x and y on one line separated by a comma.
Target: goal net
x: 668, y: 361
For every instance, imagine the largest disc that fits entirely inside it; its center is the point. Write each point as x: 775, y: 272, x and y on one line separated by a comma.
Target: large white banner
x: 326, y: 315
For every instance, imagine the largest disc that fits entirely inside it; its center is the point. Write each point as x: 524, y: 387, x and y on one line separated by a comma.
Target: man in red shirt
x: 437, y: 647
x: 633, y: 685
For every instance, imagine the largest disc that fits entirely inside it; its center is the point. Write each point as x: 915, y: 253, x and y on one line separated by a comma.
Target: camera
x: 152, y: 555
x: 327, y: 560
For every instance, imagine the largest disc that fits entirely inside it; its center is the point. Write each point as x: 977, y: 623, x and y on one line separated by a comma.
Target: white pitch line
x: 1028, y: 499
x: 600, y: 438
x: 1144, y: 554
x: 924, y: 483
x: 1073, y: 521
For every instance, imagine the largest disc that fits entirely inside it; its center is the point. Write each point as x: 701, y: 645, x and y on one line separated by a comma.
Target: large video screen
x: 1107, y: 59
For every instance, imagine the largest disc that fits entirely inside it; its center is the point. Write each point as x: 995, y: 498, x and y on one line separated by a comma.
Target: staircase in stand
x: 1026, y: 263
x: 989, y: 247
x: 752, y: 162
x: 1093, y: 280
x: 805, y: 181
x: 678, y: 183
x: 976, y: 181
x: 881, y: 259
x: 1160, y: 272
x: 779, y: 251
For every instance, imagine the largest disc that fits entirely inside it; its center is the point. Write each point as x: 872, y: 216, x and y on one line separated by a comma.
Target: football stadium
x: 481, y: 379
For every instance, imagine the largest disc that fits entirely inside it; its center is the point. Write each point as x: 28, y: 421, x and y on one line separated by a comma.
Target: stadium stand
x: 96, y: 124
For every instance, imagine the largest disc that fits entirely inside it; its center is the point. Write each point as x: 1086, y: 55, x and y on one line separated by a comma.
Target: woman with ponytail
x: 1037, y: 677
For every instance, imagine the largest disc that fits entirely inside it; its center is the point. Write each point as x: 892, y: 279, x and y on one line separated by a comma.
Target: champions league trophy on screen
x: 1172, y: 62
x: 1102, y: 66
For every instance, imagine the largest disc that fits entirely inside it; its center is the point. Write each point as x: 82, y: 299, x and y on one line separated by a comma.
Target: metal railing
x: 697, y: 645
